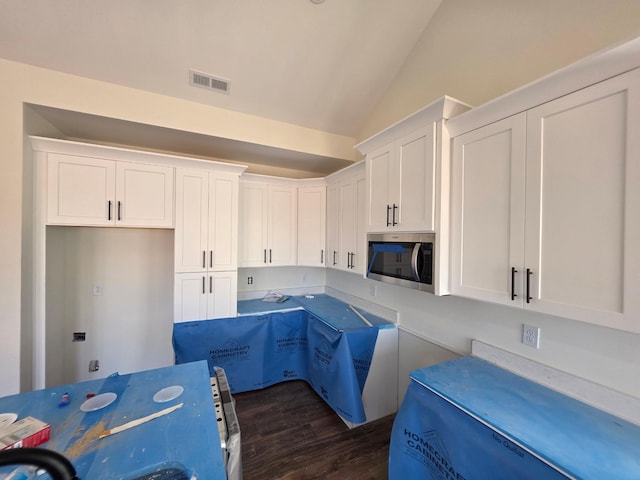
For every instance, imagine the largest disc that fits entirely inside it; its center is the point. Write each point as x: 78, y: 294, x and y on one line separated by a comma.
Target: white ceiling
x: 323, y: 66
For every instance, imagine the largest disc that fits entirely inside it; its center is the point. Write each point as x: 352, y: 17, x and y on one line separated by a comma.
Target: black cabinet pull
x: 321, y: 257
x: 529, y: 272
x: 265, y: 255
x: 210, y: 258
x: 388, y: 210
x: 109, y: 210
x: 269, y: 255
x: 334, y: 257
x: 204, y: 259
x: 119, y: 210
x: 203, y: 286
x: 513, y: 283
x: 210, y: 284
x: 393, y: 217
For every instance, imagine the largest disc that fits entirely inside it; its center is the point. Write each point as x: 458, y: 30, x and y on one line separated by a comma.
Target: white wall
x: 605, y: 356
x: 287, y: 280
x: 23, y: 84
x: 134, y: 313
x: 477, y: 50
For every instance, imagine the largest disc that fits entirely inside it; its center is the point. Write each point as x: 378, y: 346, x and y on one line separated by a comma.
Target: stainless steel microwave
x: 405, y: 259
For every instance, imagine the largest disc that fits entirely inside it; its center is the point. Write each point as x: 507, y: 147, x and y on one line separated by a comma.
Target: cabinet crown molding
x: 69, y: 147
x: 592, y: 69
x: 441, y: 109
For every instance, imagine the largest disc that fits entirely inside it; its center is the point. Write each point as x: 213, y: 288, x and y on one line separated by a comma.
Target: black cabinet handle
x: 529, y: 272
x: 513, y: 283
x: 210, y: 258
x: 211, y: 284
x: 334, y: 257
x: 204, y: 259
x: 109, y: 210
x: 269, y: 255
x: 388, y: 210
x: 203, y: 286
x: 394, y: 223
x: 265, y: 255
x: 119, y: 210
x: 321, y: 257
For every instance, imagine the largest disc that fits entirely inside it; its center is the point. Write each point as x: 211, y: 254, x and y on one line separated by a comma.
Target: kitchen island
x: 186, y: 439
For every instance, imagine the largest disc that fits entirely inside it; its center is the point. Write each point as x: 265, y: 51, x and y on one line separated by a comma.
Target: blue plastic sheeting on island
x: 262, y: 350
x: 186, y: 438
x: 468, y: 419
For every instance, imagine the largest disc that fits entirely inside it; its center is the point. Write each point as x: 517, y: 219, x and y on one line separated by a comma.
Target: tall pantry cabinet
x: 206, y: 238
x: 546, y: 205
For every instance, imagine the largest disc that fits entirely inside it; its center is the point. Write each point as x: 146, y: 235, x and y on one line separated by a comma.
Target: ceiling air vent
x: 204, y: 80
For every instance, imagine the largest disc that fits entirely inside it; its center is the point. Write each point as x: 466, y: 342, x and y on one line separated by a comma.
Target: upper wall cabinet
x: 268, y: 218
x: 100, y: 192
x: 546, y: 206
x: 312, y: 208
x: 408, y: 171
x: 346, y: 236
x: 206, y: 221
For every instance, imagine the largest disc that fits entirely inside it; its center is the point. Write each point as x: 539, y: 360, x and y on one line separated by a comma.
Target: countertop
x: 330, y: 310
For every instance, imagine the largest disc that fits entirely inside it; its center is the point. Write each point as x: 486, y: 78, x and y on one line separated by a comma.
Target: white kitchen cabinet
x: 100, y: 192
x: 487, y: 228
x: 204, y: 296
x: 268, y: 218
x: 206, y: 221
x: 346, y: 209
x: 546, y: 207
x: 402, y: 184
x: 312, y: 208
x: 407, y: 171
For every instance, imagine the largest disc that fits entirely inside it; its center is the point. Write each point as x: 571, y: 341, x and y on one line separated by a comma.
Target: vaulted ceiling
x: 318, y: 64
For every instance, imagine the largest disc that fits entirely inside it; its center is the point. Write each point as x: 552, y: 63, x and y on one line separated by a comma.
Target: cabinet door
x: 254, y: 201
x: 487, y: 228
x: 190, y: 297
x: 383, y: 186
x: 223, y: 222
x: 359, y: 257
x: 223, y: 293
x: 312, y: 205
x: 416, y: 167
x: 144, y: 195
x: 333, y: 225
x: 348, y: 223
x: 80, y: 190
x: 282, y: 231
x: 191, y: 221
x: 583, y: 204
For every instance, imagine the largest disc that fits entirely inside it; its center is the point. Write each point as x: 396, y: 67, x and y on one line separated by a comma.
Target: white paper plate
x: 167, y: 394
x: 98, y: 402
x: 7, y: 419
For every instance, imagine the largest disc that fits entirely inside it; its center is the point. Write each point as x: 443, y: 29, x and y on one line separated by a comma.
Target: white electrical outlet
x: 531, y: 336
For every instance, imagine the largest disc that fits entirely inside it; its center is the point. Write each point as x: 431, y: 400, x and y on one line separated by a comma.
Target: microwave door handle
x: 414, y: 261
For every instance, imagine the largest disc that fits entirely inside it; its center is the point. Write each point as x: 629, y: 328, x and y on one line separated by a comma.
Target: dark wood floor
x: 288, y: 432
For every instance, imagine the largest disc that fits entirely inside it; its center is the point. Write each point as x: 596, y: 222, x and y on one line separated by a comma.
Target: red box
x: 28, y: 432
